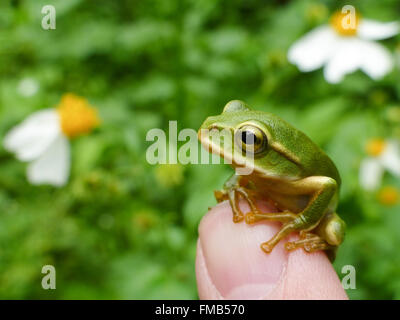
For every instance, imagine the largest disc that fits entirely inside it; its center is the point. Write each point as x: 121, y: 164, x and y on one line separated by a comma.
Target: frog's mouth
x: 226, y: 148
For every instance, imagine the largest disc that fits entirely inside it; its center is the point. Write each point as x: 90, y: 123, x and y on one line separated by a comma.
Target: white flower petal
x: 346, y: 59
x: 352, y: 54
x: 314, y: 49
x: 390, y: 158
x: 53, y: 166
x: 376, y: 30
x: 376, y: 60
x: 28, y: 87
x: 370, y: 174
x: 33, y: 136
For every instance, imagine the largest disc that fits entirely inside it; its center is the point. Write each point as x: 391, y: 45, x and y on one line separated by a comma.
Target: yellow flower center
x: 375, y: 147
x: 345, y: 24
x: 77, y: 115
x: 389, y: 196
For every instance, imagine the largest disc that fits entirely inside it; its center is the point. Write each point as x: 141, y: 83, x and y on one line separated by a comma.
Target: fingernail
x: 235, y: 263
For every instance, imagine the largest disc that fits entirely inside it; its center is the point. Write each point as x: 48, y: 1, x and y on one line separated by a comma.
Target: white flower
x: 344, y: 50
x: 43, y: 139
x: 28, y: 87
x: 383, y: 155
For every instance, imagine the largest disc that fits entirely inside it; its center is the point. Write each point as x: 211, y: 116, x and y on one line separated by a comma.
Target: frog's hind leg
x: 310, y: 217
x: 332, y: 228
x: 311, y: 243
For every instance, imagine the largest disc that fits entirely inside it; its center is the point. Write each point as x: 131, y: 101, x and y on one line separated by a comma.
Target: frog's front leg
x: 254, y: 216
x: 323, y: 189
x: 232, y: 188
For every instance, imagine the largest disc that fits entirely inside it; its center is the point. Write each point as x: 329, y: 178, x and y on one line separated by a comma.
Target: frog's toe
x: 237, y: 218
x: 266, y: 247
x: 309, y: 242
x: 317, y: 246
x: 220, y: 195
x: 308, y: 248
x: 293, y: 245
x: 250, y: 218
x: 289, y: 246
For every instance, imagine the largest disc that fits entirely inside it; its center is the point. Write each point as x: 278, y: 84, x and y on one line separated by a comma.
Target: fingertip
x: 231, y: 265
x: 310, y: 276
x: 230, y: 260
x: 205, y: 287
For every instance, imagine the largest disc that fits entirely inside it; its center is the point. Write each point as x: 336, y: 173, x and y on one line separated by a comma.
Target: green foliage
x: 122, y: 228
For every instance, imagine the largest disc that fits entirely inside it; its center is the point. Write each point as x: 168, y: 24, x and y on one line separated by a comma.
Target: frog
x: 288, y: 170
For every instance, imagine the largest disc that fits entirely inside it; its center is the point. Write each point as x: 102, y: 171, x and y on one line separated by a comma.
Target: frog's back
x: 311, y: 158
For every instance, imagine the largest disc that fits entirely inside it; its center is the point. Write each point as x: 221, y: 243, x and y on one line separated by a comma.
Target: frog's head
x: 244, y: 137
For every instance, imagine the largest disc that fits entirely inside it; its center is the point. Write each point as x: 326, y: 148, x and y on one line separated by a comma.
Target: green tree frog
x: 288, y: 169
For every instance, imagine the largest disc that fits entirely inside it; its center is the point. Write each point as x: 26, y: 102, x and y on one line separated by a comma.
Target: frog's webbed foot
x: 309, y: 242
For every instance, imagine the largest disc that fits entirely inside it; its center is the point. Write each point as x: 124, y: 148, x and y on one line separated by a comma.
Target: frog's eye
x: 251, y: 139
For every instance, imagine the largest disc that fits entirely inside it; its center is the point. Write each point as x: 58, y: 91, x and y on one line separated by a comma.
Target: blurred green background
x: 123, y: 228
